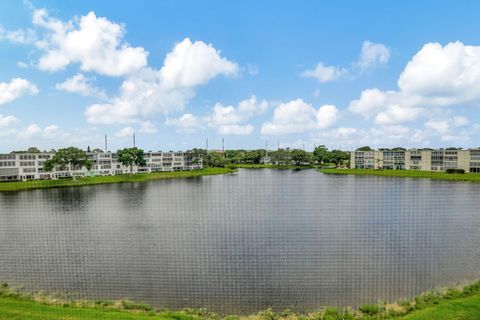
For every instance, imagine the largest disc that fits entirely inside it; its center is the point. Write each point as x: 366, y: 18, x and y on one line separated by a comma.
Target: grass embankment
x: 268, y: 166
x: 448, y: 304
x: 38, y: 184
x: 473, y: 177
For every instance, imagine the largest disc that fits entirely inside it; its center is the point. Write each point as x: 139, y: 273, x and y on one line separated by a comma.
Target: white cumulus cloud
x: 95, y: 43
x: 297, y: 116
x: 82, y: 85
x: 125, y: 132
x: 436, y: 76
x: 235, y: 129
x: 187, y: 122
x: 324, y: 73
x: 231, y: 119
x: 29, y: 132
x: 6, y: 121
x: 166, y: 90
x: 21, y: 36
x: 16, y: 88
x: 193, y: 64
x: 373, y: 54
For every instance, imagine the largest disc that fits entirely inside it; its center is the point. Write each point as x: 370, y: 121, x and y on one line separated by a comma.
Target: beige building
x: 417, y: 159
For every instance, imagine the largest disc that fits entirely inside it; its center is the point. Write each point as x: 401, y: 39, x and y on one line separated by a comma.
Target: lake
x: 243, y: 242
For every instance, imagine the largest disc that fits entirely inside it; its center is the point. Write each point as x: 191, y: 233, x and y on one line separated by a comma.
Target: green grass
x: 473, y: 177
x: 458, y: 309
x: 14, y: 308
x: 37, y: 184
x: 445, y: 305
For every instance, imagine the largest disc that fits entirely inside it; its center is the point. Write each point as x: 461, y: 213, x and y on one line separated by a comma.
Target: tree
x: 71, y: 158
x: 280, y: 157
x: 364, y: 148
x: 195, y: 155
x: 338, y: 156
x: 300, y: 156
x: 320, y: 154
x: 215, y: 159
x: 130, y: 157
x: 33, y: 150
x: 254, y: 156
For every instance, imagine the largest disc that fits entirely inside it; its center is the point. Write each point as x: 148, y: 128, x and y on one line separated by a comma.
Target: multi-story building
x: 30, y: 166
x: 417, y: 159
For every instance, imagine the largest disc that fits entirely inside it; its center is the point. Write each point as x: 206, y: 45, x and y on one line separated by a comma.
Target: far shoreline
x: 124, y: 178
x: 464, y: 177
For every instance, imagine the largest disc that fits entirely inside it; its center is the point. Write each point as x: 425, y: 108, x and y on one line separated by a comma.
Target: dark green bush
x: 128, y: 305
x: 268, y: 314
x: 459, y: 171
x: 370, y: 309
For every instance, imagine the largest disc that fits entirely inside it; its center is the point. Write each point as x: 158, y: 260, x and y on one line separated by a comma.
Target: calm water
x: 243, y: 242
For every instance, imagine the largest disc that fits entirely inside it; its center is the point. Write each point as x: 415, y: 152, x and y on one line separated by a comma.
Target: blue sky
x: 343, y: 74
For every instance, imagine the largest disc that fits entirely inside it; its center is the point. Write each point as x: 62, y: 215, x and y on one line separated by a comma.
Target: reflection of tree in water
x: 69, y: 200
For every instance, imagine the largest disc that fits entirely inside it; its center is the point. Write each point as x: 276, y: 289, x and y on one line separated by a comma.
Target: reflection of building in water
x: 29, y: 166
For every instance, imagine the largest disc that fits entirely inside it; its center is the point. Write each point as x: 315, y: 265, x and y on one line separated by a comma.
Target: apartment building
x: 29, y: 166
x: 417, y: 159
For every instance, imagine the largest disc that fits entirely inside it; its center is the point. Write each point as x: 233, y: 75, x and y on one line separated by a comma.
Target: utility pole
x: 278, y: 145
x: 134, y: 140
x: 106, y: 144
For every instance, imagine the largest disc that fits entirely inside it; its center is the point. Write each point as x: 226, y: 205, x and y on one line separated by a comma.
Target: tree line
x: 287, y: 156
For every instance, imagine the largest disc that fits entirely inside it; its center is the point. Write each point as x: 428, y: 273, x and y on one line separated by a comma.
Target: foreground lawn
x: 474, y: 177
x: 15, y: 308
x: 12, y: 308
x: 459, y: 309
x: 447, y: 304
x: 37, y: 184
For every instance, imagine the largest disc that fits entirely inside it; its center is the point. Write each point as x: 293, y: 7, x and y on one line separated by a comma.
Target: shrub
x: 426, y: 300
x: 128, y: 305
x: 370, y: 309
x: 459, y: 171
x: 452, y: 294
x: 471, y: 289
x: 331, y: 314
x: 408, y: 305
x: 268, y: 314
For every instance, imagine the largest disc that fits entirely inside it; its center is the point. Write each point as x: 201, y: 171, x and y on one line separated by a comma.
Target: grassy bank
x: 37, y: 184
x: 474, y: 177
x: 448, y: 304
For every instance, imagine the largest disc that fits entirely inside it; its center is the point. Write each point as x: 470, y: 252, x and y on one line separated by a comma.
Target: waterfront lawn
x: 37, y: 184
x: 467, y: 308
x: 474, y: 177
x: 459, y: 309
x: 13, y: 308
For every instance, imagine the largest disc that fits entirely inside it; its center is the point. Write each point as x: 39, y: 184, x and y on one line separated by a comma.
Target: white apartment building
x: 417, y: 159
x: 29, y: 166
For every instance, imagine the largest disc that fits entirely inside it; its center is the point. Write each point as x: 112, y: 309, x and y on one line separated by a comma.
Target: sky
x: 297, y: 74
